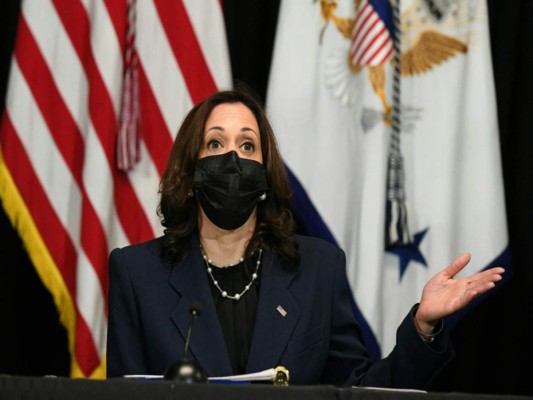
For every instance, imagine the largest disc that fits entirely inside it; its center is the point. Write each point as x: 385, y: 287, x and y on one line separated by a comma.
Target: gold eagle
x: 430, y: 49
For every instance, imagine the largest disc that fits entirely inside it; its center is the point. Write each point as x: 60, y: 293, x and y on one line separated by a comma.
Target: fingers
x: 484, y: 283
x: 457, y: 265
x: 480, y: 283
x: 489, y: 275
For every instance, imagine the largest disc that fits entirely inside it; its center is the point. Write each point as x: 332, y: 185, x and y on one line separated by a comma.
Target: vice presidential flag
x: 97, y: 91
x: 376, y: 103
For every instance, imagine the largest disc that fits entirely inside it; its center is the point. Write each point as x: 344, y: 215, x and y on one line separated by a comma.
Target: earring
x: 189, y: 194
x: 263, y: 197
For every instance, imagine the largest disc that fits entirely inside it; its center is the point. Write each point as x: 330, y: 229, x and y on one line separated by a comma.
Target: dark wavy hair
x: 178, y: 209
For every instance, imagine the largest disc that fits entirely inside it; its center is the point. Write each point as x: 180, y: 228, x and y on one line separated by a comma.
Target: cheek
x: 263, y: 154
x: 202, y: 153
x: 256, y: 156
x: 259, y: 154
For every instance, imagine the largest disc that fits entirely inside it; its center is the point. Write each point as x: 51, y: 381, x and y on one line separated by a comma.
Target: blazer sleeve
x: 125, y: 350
x: 411, y: 364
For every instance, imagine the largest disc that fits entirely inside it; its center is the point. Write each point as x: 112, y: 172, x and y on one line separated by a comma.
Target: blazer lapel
x: 277, y: 314
x: 207, y: 344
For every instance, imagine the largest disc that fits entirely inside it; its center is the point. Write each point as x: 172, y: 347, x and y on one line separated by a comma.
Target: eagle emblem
x: 424, y: 45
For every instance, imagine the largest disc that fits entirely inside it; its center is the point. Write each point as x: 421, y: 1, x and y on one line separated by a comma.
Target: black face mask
x: 228, y: 188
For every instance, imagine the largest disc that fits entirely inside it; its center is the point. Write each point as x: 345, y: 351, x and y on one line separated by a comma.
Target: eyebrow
x: 243, y: 130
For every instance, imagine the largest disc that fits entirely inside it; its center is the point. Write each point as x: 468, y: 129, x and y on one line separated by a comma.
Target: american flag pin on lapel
x: 282, y: 311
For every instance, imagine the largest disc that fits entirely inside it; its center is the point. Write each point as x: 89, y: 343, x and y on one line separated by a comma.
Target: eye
x: 214, y: 145
x: 248, y: 147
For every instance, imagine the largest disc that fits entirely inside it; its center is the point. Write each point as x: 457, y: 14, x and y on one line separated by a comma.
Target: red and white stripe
x: 371, y: 43
x: 58, y: 137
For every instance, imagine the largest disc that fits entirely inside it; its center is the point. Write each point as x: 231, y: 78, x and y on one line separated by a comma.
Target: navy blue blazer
x: 318, y: 340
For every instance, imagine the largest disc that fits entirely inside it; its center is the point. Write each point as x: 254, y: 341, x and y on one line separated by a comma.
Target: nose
x: 232, y: 147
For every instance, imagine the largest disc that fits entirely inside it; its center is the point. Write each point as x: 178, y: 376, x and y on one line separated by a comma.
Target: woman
x: 268, y: 297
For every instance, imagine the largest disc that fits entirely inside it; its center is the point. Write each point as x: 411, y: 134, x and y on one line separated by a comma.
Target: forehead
x: 228, y: 114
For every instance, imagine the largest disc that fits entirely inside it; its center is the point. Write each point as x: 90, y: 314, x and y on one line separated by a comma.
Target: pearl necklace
x: 224, y: 293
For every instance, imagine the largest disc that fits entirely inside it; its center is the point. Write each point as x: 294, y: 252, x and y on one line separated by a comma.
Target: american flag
x: 371, y: 42
x: 59, y: 180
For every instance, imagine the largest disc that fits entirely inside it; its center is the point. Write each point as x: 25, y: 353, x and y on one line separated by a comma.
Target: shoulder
x: 140, y: 267
x: 320, y: 257
x: 149, y: 248
x: 137, y: 257
x: 314, y: 242
x: 312, y: 247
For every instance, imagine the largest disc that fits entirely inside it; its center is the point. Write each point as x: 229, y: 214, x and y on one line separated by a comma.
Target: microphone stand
x: 187, y: 371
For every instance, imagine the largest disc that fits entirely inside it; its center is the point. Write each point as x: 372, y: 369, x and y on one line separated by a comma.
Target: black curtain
x: 493, y: 344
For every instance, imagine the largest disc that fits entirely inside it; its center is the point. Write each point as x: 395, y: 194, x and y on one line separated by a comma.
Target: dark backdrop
x: 493, y: 343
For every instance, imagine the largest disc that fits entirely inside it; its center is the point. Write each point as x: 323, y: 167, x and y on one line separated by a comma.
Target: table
x: 22, y: 388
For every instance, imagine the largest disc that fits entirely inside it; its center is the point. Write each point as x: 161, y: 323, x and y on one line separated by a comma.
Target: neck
x: 225, y: 247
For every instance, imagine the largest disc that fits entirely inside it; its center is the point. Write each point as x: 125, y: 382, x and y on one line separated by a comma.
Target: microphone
x: 186, y: 370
